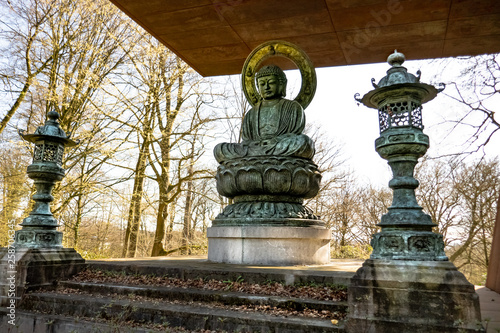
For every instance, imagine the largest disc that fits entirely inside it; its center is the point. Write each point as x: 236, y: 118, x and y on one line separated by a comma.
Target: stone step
x: 188, y: 316
x: 207, y: 296
x: 223, y: 272
x: 35, y: 322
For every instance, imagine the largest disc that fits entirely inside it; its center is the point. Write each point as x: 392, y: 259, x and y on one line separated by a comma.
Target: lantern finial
x: 396, y: 59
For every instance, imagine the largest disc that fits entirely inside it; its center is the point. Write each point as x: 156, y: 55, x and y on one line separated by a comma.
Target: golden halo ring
x: 279, y: 49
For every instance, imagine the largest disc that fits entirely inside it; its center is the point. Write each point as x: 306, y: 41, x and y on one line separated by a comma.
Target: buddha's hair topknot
x: 271, y: 70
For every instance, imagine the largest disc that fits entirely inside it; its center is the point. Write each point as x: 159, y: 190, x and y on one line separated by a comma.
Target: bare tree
x: 67, y: 53
x: 24, y: 26
x: 14, y: 187
x: 478, y: 186
x: 438, y: 196
x: 134, y: 214
x: 374, y: 202
x: 460, y: 196
x: 477, y: 88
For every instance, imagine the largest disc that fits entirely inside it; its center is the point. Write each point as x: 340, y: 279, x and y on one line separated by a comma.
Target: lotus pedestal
x: 267, y: 222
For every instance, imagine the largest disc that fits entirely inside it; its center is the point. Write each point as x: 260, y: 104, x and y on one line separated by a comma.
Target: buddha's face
x: 269, y: 87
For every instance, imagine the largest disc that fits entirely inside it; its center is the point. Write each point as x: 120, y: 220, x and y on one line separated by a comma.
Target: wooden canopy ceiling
x: 216, y: 36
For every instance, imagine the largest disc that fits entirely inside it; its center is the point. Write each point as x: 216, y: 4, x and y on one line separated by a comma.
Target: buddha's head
x: 271, y: 82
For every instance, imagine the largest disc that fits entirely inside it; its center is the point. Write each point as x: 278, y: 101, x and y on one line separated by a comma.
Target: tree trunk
x: 129, y: 224
x: 158, y: 249
x: 134, y: 217
x: 171, y: 218
x: 78, y: 222
x: 136, y: 220
x: 79, y: 203
x: 163, y: 177
x: 186, y: 232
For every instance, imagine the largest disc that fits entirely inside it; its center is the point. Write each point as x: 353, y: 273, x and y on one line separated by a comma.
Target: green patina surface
x: 39, y: 229
x: 406, y: 230
x: 271, y: 172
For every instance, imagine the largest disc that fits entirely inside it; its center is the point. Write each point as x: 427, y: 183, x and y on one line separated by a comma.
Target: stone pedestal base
x: 268, y: 245
x: 412, y: 296
x: 28, y: 268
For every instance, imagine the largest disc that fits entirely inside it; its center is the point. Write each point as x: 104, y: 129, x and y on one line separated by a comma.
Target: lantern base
x: 38, y: 238
x: 412, y: 296
x: 408, y: 245
x: 29, y: 268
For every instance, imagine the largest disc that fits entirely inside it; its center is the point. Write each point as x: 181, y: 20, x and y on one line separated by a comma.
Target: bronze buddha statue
x: 273, y: 127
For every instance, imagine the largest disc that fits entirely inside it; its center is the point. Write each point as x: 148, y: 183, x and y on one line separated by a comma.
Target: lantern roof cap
x: 397, y: 74
x: 51, y: 130
x: 397, y: 82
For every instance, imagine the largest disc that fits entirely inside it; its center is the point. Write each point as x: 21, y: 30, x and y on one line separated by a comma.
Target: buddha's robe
x: 270, y: 131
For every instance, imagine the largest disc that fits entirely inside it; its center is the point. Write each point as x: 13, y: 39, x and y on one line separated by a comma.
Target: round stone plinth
x: 269, y: 245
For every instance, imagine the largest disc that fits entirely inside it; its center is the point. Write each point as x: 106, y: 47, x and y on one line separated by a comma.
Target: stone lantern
x: 408, y: 284
x: 406, y: 229
x: 39, y: 228
x: 37, y: 257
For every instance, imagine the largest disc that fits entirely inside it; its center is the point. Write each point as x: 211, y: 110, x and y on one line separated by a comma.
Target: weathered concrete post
x: 408, y: 284
x: 270, y: 173
x: 37, y: 257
